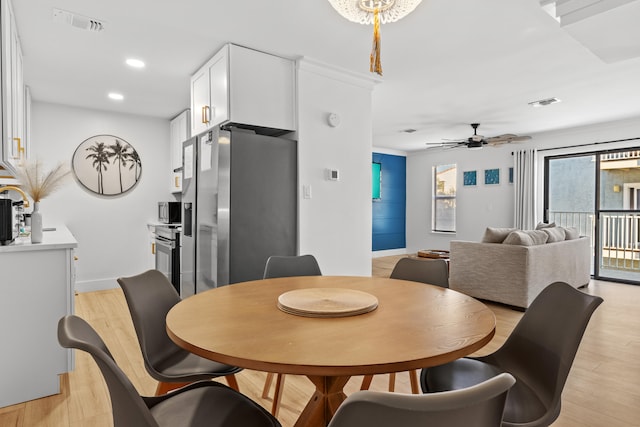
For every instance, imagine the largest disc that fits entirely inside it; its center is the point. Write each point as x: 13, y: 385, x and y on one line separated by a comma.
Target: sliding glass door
x: 570, y: 198
x: 599, y: 193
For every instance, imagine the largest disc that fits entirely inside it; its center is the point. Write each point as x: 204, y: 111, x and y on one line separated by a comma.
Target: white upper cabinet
x: 179, y: 127
x: 13, y: 91
x: 200, y: 100
x: 243, y: 86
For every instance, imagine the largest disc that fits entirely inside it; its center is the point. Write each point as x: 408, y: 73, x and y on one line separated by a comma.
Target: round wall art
x: 106, y: 165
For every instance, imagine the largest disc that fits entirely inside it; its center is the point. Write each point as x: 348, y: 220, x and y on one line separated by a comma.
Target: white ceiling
x: 450, y: 63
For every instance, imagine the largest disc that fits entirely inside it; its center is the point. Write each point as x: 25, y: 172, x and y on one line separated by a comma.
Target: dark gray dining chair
x: 286, y: 266
x: 203, y: 403
x: 150, y: 296
x: 481, y: 405
x: 538, y: 353
x: 424, y: 270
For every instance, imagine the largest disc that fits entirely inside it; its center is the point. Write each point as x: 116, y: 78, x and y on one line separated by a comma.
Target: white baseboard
x: 389, y: 252
x: 96, y: 285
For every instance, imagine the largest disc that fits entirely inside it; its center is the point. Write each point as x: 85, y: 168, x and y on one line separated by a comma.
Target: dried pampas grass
x: 37, y: 183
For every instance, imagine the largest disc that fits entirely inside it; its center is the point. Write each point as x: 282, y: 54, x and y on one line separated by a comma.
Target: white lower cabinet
x: 37, y: 290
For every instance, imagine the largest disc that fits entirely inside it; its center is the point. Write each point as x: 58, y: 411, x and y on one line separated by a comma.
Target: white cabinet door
x: 219, y: 87
x: 200, y: 101
x: 179, y: 127
x: 7, y: 81
x: 12, y: 89
x: 151, y: 253
x: 209, y: 94
x: 17, y: 99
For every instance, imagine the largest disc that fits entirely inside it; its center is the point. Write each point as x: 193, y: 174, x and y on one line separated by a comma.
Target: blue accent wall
x: 389, y: 213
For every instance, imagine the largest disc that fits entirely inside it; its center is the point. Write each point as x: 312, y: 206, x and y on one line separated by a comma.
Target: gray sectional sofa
x: 515, y: 274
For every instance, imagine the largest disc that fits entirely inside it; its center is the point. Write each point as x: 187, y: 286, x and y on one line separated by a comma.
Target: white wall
x: 482, y: 206
x: 476, y: 206
x: 335, y: 223
x: 111, y: 231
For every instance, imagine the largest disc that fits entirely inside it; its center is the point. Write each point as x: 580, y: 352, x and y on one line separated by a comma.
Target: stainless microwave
x: 169, y: 212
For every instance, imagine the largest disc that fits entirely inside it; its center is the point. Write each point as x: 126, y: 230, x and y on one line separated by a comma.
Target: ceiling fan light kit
x: 374, y: 12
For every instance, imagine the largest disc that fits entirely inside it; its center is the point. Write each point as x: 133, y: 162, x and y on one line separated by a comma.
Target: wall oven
x: 167, y: 252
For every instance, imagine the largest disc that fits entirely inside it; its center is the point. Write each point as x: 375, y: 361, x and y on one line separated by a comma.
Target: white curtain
x: 524, y: 174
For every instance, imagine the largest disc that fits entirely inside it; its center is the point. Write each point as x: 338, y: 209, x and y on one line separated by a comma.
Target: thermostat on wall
x: 333, y: 175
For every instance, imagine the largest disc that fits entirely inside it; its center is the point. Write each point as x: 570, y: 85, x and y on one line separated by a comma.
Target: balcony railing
x: 583, y: 221
x: 619, y: 236
x: 623, y: 155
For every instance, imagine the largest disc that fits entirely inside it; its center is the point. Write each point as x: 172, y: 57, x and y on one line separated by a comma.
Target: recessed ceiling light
x: 135, y: 63
x: 116, y: 96
x: 409, y: 130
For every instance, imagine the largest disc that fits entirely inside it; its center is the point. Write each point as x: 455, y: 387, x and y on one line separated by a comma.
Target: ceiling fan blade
x: 445, y: 144
x: 506, y: 139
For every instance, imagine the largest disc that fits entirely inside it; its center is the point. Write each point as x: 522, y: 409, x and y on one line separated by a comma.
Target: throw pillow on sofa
x: 555, y: 234
x: 496, y: 234
x: 526, y: 238
x: 571, y: 233
x: 543, y: 225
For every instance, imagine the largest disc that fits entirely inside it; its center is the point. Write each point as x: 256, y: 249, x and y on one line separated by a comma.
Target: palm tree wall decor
x: 107, y: 165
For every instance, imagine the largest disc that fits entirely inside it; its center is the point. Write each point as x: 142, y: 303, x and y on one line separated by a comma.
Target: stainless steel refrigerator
x: 239, y: 203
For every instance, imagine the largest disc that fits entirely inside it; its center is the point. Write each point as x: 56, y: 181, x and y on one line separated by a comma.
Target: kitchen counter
x: 37, y: 290
x: 56, y: 237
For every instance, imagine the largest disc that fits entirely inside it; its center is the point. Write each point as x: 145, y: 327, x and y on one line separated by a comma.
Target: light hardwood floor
x: 603, y: 389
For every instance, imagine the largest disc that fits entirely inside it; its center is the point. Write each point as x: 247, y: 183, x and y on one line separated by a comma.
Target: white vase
x: 36, y: 224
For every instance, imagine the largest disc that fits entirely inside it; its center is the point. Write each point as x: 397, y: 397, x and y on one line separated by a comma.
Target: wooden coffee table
x: 433, y: 253
x: 414, y: 326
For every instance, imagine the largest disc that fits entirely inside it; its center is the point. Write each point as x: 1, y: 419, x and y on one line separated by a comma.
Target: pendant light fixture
x: 374, y: 12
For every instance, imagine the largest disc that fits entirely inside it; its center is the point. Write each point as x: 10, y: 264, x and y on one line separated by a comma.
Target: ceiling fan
x: 476, y: 141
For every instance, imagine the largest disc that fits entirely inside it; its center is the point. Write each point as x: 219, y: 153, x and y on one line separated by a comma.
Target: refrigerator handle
x: 188, y: 216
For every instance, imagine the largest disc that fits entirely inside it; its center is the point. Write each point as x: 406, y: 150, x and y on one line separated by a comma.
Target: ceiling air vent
x: 78, y: 21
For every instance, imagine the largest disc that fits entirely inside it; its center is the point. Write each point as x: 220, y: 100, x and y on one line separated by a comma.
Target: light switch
x: 306, y: 191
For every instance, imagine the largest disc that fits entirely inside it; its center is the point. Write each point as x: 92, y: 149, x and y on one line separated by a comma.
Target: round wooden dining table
x: 414, y: 326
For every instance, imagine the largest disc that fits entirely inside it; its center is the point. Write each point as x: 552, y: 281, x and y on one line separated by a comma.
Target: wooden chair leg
x: 413, y: 378
x: 366, y: 382
x: 164, y: 388
x: 233, y: 382
x: 392, y: 382
x: 277, y: 395
x: 267, y: 385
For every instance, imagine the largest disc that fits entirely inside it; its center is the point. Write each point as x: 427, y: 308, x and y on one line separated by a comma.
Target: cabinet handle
x: 20, y: 149
x: 176, y: 179
x: 153, y: 248
x: 203, y: 115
